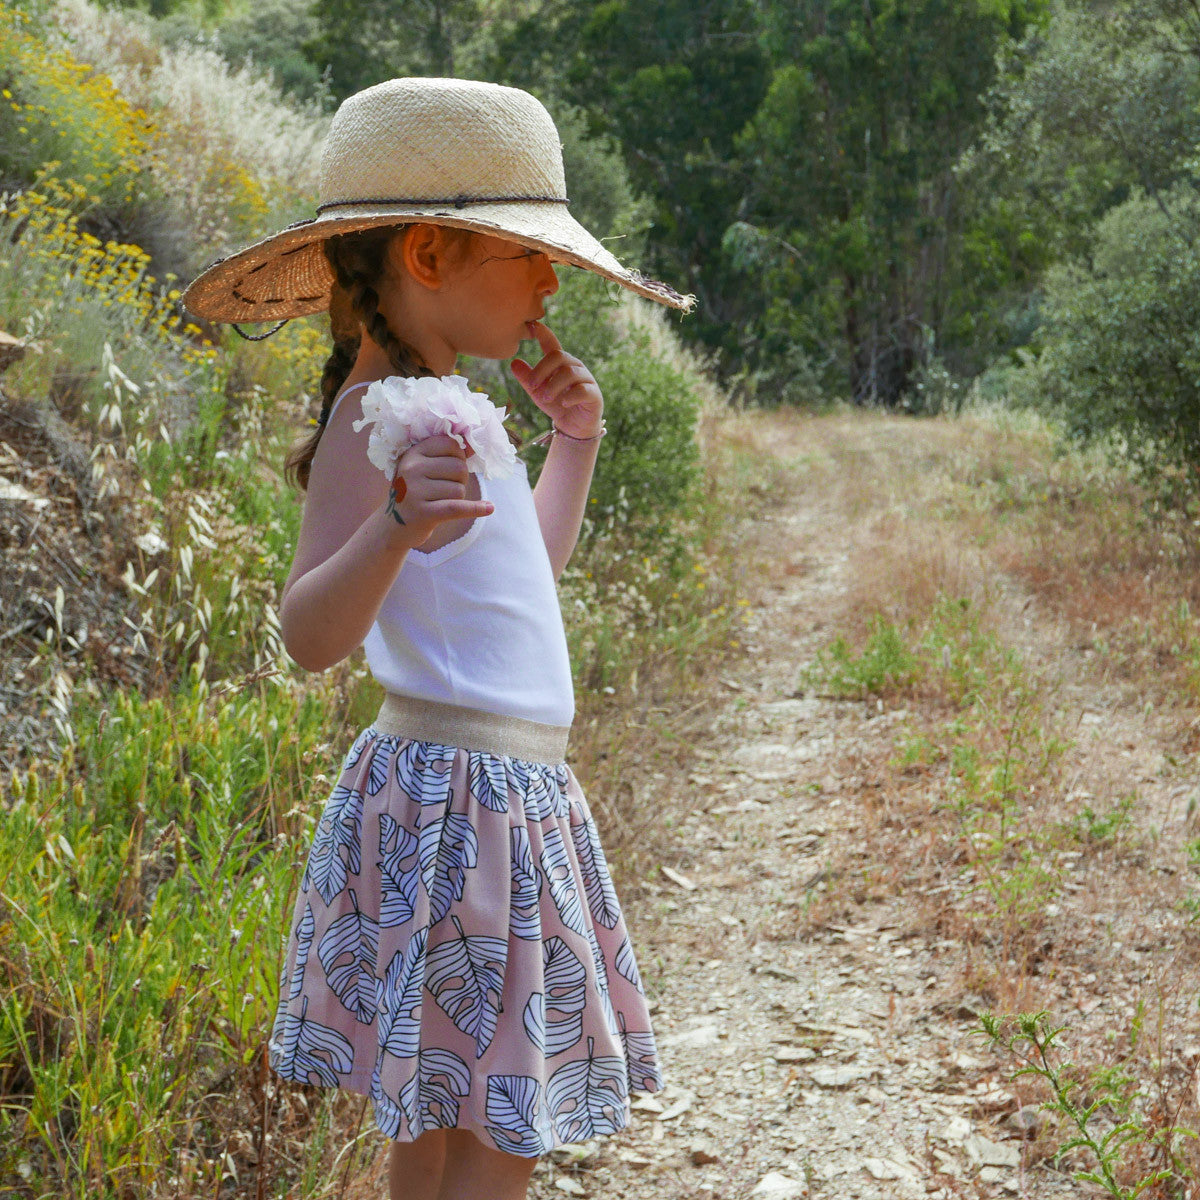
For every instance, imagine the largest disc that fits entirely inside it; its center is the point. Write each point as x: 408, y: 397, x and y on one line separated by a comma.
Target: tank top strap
x: 341, y: 396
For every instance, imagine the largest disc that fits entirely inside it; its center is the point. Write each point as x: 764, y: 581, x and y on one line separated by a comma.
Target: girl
x: 457, y: 952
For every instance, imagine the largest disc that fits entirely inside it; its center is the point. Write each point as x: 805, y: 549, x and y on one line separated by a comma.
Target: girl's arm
x: 351, y: 547
x: 565, y: 390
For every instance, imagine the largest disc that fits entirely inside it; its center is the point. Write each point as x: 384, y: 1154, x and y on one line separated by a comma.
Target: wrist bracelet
x: 554, y: 431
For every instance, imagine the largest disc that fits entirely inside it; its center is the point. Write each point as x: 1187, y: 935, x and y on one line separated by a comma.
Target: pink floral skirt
x: 458, y: 952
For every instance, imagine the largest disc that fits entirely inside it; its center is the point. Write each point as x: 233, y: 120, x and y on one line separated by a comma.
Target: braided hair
x: 358, y: 261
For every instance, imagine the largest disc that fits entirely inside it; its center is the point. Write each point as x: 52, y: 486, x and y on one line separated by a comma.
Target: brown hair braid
x: 358, y: 261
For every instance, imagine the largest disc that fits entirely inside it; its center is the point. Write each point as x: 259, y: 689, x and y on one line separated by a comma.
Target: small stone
x: 886, y: 1168
x: 774, y: 1186
x: 702, y: 1153
x: 707, y: 1033
x: 957, y: 1130
x: 678, y: 878
x: 795, y: 1054
x: 646, y: 1104
x: 985, y: 1153
x: 564, y: 1183
x: 840, y: 1077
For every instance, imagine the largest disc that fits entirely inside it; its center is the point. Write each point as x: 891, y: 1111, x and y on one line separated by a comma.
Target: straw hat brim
x: 287, y: 275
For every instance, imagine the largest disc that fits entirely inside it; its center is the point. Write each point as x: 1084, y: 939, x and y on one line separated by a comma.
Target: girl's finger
x: 565, y: 376
x: 454, y: 510
x: 446, y: 466
x: 545, y: 337
x: 438, y: 446
x: 548, y: 366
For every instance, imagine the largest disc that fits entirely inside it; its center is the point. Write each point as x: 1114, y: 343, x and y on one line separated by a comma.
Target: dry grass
x: 1029, y: 807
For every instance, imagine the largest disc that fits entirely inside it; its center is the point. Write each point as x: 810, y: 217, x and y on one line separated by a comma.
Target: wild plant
x: 1102, y: 1110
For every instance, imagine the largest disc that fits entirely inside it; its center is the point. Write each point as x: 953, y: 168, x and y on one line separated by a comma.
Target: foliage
x: 673, y: 81
x: 1121, y: 355
x: 852, y: 208
x: 362, y: 42
x: 145, y: 876
x: 1088, y: 1105
x: 231, y: 158
x: 273, y: 36
x: 54, y: 108
x: 75, y: 295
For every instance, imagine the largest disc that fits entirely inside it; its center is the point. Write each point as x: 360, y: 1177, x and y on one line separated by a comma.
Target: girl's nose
x: 547, y: 277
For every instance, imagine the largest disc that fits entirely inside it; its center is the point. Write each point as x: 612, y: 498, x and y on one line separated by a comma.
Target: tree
x: 852, y: 208
x: 362, y: 42
x: 674, y: 81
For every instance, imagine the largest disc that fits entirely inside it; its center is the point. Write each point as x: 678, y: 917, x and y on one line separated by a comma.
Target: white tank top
x: 477, y: 622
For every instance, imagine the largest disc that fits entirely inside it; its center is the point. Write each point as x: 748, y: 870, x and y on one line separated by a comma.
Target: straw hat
x: 448, y: 151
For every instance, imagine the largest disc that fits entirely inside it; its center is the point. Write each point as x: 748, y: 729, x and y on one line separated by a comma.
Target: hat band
x: 460, y: 201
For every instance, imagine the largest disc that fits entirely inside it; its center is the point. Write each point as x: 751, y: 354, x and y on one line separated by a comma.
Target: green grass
x: 146, y: 876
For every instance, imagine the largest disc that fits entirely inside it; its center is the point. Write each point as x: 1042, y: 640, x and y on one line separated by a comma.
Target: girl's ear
x: 422, y: 251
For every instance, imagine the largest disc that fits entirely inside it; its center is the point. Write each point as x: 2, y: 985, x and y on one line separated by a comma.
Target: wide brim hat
x: 477, y: 156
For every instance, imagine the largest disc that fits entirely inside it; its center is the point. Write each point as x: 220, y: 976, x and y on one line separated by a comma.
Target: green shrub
x: 1121, y: 359
x: 56, y: 109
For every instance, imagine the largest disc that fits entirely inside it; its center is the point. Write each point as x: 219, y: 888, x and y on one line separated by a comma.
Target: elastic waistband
x: 472, y: 729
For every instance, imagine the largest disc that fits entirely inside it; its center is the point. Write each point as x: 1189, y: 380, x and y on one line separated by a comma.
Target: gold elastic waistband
x: 472, y: 729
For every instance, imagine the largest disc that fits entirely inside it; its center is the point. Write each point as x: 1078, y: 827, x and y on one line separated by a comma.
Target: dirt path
x: 839, y: 1056
x: 836, y: 1063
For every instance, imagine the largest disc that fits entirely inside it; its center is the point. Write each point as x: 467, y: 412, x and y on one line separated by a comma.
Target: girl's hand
x: 561, y: 386
x: 430, y: 487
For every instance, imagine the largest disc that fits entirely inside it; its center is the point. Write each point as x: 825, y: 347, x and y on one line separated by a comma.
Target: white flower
x: 402, y: 412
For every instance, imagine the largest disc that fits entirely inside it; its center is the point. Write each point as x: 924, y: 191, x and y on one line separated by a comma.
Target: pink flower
x: 402, y: 412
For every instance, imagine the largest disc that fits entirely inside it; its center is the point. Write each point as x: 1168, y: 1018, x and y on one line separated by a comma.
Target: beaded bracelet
x: 554, y: 431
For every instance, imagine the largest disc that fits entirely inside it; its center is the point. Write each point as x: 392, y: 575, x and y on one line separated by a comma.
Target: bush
x: 1121, y: 359
x: 54, y: 108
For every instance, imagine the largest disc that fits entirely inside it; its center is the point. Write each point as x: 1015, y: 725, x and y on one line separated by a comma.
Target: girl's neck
x: 373, y: 363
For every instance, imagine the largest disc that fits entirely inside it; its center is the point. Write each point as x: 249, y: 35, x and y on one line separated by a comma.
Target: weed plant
x: 1104, y: 1110
x: 991, y: 758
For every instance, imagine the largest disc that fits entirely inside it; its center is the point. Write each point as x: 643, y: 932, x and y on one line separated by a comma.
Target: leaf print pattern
x: 641, y: 1057
x: 422, y: 1018
x: 610, y: 1017
x: 489, y: 780
x: 304, y: 937
x: 397, y: 881
x: 361, y: 742
x: 389, y: 1116
x: 466, y: 977
x: 627, y: 964
x: 602, y: 896
x: 337, y: 846
x: 348, y: 952
x: 399, y: 999
x: 430, y: 1098
x: 566, y: 995
x: 534, y: 1020
x: 448, y: 847
x: 307, y: 1051
x: 423, y: 771
x: 539, y: 795
x: 520, y: 1122
x: 587, y: 1097
x: 560, y: 879
x: 381, y: 760
x: 524, y: 916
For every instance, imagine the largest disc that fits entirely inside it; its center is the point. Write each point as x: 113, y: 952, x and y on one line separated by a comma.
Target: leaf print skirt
x: 459, y: 955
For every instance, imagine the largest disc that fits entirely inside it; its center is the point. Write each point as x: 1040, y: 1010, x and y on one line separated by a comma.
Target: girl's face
x: 478, y: 292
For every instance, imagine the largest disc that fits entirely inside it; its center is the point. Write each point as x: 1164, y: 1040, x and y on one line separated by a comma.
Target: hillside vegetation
x: 164, y: 763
